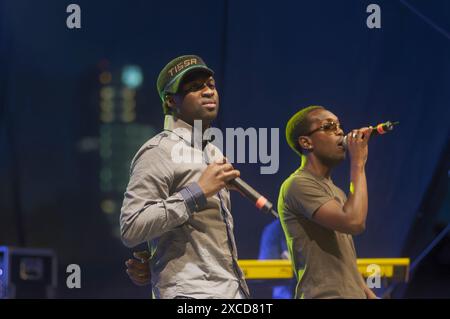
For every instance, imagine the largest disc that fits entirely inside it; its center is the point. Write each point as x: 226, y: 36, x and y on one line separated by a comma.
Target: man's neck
x: 196, y: 131
x: 205, y: 124
x: 315, y: 166
x: 171, y: 120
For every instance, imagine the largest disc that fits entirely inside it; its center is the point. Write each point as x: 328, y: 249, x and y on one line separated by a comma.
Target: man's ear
x: 170, y: 102
x: 305, y: 143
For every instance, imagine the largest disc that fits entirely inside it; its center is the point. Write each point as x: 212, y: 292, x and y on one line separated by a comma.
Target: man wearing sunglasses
x: 182, y: 208
x: 317, y: 217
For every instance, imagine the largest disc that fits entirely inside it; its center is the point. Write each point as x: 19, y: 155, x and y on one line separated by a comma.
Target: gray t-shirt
x: 324, y: 260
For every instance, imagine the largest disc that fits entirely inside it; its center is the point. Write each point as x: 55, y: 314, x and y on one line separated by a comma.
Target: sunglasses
x: 328, y: 127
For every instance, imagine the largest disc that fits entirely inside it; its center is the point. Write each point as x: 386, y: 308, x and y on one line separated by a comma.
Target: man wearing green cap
x: 182, y: 208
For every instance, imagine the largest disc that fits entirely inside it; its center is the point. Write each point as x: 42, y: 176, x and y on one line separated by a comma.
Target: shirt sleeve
x: 148, y: 209
x: 305, y: 196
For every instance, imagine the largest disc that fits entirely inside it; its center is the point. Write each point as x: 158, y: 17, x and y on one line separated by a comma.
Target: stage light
x: 108, y: 206
x: 132, y: 76
x: 107, y: 93
x: 105, y: 78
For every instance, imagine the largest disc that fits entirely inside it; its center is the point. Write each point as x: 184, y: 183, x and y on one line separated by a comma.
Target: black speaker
x: 27, y: 273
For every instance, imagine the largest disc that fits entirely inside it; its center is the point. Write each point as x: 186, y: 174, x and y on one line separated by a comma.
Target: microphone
x: 250, y: 193
x: 379, y: 129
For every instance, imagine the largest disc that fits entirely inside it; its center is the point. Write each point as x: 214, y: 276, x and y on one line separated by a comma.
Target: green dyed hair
x: 299, y: 124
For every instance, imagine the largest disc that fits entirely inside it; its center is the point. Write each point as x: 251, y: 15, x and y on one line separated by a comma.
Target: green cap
x: 170, y: 77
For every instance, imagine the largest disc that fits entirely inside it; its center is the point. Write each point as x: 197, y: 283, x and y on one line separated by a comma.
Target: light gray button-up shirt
x: 193, y: 250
